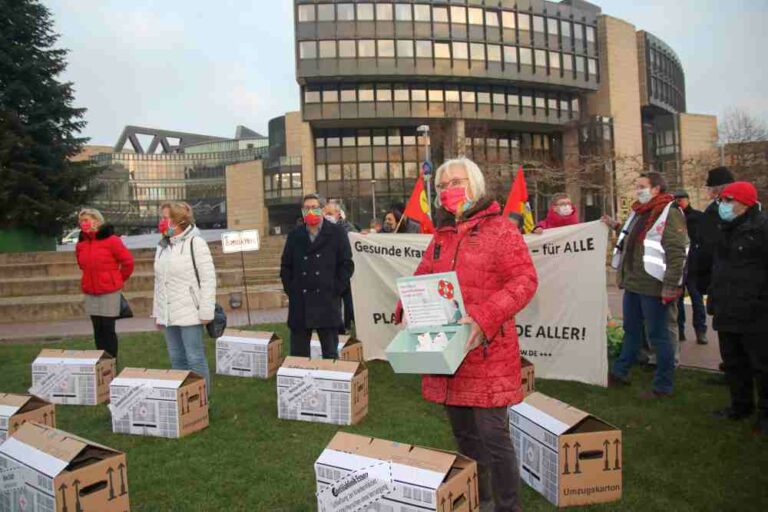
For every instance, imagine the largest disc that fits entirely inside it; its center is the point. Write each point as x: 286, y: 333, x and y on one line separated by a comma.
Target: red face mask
x: 163, y: 225
x: 311, y: 219
x: 86, y: 226
x: 454, y: 199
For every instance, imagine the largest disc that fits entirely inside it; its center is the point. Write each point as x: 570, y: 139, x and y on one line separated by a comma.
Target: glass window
x: 475, y: 16
x: 380, y: 170
x: 513, y: 99
x: 524, y: 21
x: 333, y: 142
x: 409, y: 140
x: 568, y: 62
x: 565, y: 26
x: 307, y: 50
x: 311, y: 96
x: 325, y: 12
x: 383, y: 12
x: 593, y: 67
x: 330, y: 96
x: 348, y: 95
x: 404, y: 48
x: 540, y: 102
x: 306, y: 13
x: 460, y: 51
x: 564, y: 106
x: 418, y: 94
x: 526, y: 100
x: 468, y: 96
x: 552, y: 105
x: 580, y: 67
x: 477, y: 50
x: 494, y: 53
x: 366, y: 48
x: 452, y: 95
x: 379, y: 137
x: 396, y: 171
x: 424, y: 49
x: 575, y: 104
x: 320, y: 170
x: 403, y: 12
x: 538, y: 24
x: 363, y: 138
x: 364, y: 12
x: 365, y: 170
x: 492, y: 19
x: 384, y: 93
x: 554, y: 60
x: 440, y: 14
x: 327, y: 49
x: 510, y: 55
x: 345, y: 12
x: 590, y: 34
x: 526, y: 57
x: 508, y: 19
x: 347, y: 48
x: 578, y: 31
x: 499, y: 98
x: 296, y: 180
x: 411, y: 169
x: 458, y: 14
x: 365, y: 93
x: 436, y: 95
x: 421, y: 12
x: 320, y: 141
x: 553, y: 27
x: 483, y: 97
x: 334, y: 172
x: 386, y: 47
x: 442, y: 50
x: 541, y: 58
x: 401, y: 93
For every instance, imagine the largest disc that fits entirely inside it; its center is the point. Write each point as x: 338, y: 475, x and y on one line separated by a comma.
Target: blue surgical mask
x: 726, y: 212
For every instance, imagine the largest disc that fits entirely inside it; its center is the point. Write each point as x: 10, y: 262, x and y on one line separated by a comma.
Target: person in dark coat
x: 315, y: 269
x: 739, y: 301
x: 692, y: 220
x: 709, y: 229
x: 335, y: 215
x: 395, y: 222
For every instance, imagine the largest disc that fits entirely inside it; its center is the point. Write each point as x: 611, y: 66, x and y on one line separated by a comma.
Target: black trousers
x: 329, y: 341
x: 104, y: 334
x: 483, y: 435
x: 349, y: 312
x: 745, y: 356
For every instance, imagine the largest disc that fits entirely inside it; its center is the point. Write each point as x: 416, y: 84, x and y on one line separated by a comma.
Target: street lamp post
x: 427, y: 168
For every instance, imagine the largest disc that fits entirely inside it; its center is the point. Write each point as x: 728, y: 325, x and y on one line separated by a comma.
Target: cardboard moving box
x: 248, y: 354
x: 75, y: 377
x: 350, y: 349
x: 16, y: 410
x: 362, y: 473
x: 566, y: 454
x: 159, y: 403
x: 527, y: 376
x: 322, y: 390
x: 44, y: 469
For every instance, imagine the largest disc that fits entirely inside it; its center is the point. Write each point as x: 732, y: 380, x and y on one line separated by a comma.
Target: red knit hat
x: 741, y: 191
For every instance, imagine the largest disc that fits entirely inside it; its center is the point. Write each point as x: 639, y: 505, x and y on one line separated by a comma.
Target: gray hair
x: 320, y: 199
x: 474, y: 174
x: 93, y: 213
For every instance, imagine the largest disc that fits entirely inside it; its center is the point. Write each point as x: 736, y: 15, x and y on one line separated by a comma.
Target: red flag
x: 417, y: 208
x: 518, y: 194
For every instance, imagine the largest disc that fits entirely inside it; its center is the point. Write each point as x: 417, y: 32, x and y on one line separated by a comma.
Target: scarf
x: 655, y: 207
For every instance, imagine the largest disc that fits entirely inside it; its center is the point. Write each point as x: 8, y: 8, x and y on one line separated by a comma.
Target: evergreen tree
x: 40, y: 189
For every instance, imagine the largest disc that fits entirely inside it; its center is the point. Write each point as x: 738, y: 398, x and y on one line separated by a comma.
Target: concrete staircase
x: 45, y: 286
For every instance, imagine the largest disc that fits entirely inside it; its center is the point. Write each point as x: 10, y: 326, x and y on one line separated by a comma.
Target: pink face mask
x: 455, y: 199
x: 86, y: 226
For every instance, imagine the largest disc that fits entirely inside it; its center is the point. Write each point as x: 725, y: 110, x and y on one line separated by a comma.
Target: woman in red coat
x: 497, y: 280
x: 561, y: 213
x: 106, y: 266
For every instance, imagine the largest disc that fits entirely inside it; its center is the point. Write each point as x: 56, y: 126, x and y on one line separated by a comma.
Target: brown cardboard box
x: 248, y: 354
x: 75, y: 377
x: 527, y: 377
x: 356, y: 472
x: 159, y: 403
x: 16, y: 410
x: 322, y: 390
x: 566, y: 454
x: 48, y: 469
x: 350, y: 348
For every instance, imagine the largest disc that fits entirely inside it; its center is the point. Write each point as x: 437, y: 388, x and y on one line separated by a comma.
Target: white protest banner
x: 240, y: 241
x: 562, y: 331
x: 358, y: 490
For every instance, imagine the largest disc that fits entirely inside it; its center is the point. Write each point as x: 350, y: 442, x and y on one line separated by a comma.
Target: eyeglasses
x: 456, y: 182
x: 315, y: 211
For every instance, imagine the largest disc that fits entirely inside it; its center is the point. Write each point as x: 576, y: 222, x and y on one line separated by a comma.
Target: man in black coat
x: 315, y: 269
x: 739, y: 301
x: 692, y: 220
x: 709, y: 230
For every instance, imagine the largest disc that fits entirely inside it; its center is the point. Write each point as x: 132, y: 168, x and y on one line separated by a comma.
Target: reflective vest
x: 654, y: 257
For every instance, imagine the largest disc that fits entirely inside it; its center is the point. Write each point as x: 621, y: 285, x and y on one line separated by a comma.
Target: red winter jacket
x: 555, y: 220
x: 104, y: 260
x: 497, y: 279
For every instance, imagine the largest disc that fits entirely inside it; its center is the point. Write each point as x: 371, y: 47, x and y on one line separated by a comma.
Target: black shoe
x: 681, y: 335
x: 701, y: 338
x: 617, y: 382
x: 729, y: 413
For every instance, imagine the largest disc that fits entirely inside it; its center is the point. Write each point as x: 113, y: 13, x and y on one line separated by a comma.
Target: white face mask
x: 565, y: 210
x: 330, y: 218
x: 644, y: 195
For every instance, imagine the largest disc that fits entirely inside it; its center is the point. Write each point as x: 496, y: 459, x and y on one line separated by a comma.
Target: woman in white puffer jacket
x: 183, y: 302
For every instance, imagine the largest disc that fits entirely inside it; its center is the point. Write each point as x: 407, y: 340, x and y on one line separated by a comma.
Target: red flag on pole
x: 417, y: 208
x: 517, y: 201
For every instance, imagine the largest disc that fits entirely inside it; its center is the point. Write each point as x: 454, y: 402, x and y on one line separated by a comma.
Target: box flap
x: 406, y: 454
x: 154, y: 378
x: 558, y: 417
x: 13, y: 400
x: 75, y: 357
x: 254, y: 337
x: 331, y: 365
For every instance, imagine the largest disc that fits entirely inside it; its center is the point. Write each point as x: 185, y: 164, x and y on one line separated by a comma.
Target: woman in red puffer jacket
x: 106, y: 265
x: 497, y: 280
x: 561, y: 213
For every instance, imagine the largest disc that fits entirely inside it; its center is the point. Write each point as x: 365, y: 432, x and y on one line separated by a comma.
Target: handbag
x: 125, y: 308
x: 216, y: 326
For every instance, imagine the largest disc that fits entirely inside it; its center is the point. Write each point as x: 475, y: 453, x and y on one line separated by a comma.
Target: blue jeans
x: 646, y: 310
x: 187, y: 350
x: 697, y: 304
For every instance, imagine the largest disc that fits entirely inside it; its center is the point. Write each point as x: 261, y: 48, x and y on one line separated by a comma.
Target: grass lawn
x: 677, y: 458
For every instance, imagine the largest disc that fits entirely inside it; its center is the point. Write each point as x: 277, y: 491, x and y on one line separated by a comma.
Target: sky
x: 208, y: 66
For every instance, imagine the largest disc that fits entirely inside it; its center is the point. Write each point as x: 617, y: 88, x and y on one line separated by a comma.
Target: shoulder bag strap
x: 194, y: 263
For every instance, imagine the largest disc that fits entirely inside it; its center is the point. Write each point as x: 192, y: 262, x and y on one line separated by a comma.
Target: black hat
x: 682, y: 194
x: 719, y: 176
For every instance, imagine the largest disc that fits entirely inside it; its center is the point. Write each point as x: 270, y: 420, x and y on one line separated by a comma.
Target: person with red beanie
x: 106, y: 265
x: 561, y: 213
x: 738, y: 301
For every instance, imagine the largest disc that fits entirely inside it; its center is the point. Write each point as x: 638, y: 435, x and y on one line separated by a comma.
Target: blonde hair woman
x: 106, y: 265
x: 184, y: 298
